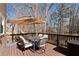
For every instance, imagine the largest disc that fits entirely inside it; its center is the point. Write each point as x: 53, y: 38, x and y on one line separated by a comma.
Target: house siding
x: 2, y: 18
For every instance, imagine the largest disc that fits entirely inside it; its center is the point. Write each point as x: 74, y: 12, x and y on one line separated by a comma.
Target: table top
x: 76, y: 42
x: 33, y: 38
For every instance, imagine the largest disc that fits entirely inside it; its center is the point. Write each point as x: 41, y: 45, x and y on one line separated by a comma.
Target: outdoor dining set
x: 36, y: 42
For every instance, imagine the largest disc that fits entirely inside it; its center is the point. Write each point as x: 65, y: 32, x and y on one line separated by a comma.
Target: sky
x: 11, y: 12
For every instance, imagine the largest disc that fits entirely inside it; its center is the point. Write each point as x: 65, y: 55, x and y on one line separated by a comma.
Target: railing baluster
x: 61, y: 40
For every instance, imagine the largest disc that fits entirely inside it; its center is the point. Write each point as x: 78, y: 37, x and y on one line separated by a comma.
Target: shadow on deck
x: 61, y: 50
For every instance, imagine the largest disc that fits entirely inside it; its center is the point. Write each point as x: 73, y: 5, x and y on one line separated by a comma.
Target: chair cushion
x: 44, y: 36
x: 24, y: 40
x: 40, y: 35
x: 27, y: 45
x: 42, y: 45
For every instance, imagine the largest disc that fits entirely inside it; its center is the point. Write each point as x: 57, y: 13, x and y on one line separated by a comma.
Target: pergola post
x: 13, y: 32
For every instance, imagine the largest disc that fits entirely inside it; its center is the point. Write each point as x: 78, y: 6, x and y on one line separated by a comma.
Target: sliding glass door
x: 1, y: 26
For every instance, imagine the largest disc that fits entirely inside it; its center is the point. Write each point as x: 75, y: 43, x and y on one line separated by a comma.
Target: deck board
x: 14, y: 51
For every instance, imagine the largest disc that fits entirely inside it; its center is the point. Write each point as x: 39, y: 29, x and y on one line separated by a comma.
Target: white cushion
x: 40, y: 35
x: 25, y: 41
x: 42, y: 45
x: 44, y: 36
x: 27, y: 44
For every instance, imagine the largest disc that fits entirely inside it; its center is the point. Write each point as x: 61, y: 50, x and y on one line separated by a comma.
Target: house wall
x: 3, y: 16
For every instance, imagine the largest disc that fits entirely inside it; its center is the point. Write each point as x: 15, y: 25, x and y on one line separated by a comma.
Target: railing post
x: 13, y: 32
x: 57, y: 40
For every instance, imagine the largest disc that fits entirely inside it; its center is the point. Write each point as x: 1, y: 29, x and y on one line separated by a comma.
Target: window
x: 1, y: 26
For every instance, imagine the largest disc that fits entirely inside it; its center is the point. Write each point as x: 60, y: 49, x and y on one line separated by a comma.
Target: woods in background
x: 62, y: 18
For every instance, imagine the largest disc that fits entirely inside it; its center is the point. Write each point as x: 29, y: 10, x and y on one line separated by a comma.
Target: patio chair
x: 42, y: 44
x: 24, y: 43
x: 43, y: 36
x: 20, y: 44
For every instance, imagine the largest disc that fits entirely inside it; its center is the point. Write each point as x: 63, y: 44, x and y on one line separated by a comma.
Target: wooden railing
x: 61, y: 39
x: 57, y: 39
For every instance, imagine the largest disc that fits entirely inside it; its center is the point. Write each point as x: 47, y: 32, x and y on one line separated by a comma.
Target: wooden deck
x: 14, y: 51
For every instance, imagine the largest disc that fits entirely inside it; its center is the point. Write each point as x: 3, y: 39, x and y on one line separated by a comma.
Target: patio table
x: 34, y: 39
